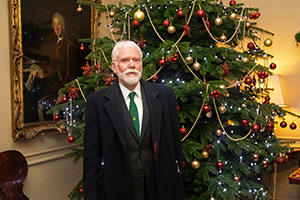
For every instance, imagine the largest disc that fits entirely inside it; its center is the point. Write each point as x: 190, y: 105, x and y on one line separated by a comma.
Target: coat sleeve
x: 92, y: 153
x: 175, y: 129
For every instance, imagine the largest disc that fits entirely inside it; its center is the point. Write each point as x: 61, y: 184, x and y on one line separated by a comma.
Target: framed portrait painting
x: 45, y: 55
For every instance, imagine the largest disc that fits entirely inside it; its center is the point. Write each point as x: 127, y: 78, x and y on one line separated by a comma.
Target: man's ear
x: 114, y: 67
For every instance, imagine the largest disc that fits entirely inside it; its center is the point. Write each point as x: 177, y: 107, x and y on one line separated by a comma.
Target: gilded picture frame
x: 23, y: 129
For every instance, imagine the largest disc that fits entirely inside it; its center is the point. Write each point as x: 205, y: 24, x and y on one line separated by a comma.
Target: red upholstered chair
x: 13, y: 171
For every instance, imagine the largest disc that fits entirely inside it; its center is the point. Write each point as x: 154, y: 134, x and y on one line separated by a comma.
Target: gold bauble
x: 245, y: 60
x: 236, y: 178
x: 255, y: 157
x: 139, y: 15
x: 244, y: 105
x: 265, y: 163
x: 223, y: 38
x: 268, y: 42
x: 248, y: 25
x: 231, y: 123
x: 222, y: 109
x: 195, y: 164
x: 111, y: 13
x: 222, y: 86
x: 233, y: 16
x: 212, y: 198
x: 208, y: 114
x: 189, y: 59
x: 204, y: 154
x: 226, y: 94
x: 79, y: 9
x: 196, y: 65
x: 171, y: 29
x: 218, y: 21
x: 219, y: 132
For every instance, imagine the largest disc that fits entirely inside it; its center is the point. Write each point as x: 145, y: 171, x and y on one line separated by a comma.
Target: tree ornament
x: 142, y: 43
x: 245, y: 122
x: 208, y: 114
x: 225, y: 66
x: 218, y: 21
x: 195, y: 164
x: 178, y: 108
x: 196, y: 65
x: 280, y: 160
x: 80, y: 191
x: 109, y: 80
x: 139, y: 15
x: 87, y: 69
x: 262, y: 74
x: 79, y: 9
x: 233, y: 16
x: 255, y: 157
x: 212, y: 198
x: 206, y: 108
x: 71, y: 139
x: 226, y: 94
x: 219, y: 132
x: 81, y: 48
x: 220, y: 165
x: 56, y: 117
x: 166, y: 23
x: 251, y: 46
x: 189, y: 59
x: 248, y: 25
x: 222, y: 109
x: 223, y: 37
x: 248, y: 81
x: 283, y: 124
x: 245, y: 60
x: 64, y: 99
x: 273, y: 66
x: 204, y: 154
x: 73, y: 91
x: 111, y: 13
x: 171, y: 29
x: 255, y: 127
x: 183, y: 130
x: 186, y: 29
x: 244, y: 105
x: 135, y: 23
x: 232, y: 2
x: 236, y: 178
x: 200, y: 13
x: 180, y: 14
x: 293, y: 126
x: 155, y: 78
x: 270, y: 126
x: 265, y: 163
x: 216, y: 94
x: 162, y: 62
x: 268, y: 42
x: 230, y: 123
x: 207, y: 23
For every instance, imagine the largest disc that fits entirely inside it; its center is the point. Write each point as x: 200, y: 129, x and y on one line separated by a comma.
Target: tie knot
x: 131, y: 95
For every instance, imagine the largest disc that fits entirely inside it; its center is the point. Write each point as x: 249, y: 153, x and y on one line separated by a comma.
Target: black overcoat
x: 104, y: 141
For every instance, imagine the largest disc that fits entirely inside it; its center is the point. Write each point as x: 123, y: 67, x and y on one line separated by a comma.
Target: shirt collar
x: 125, y: 91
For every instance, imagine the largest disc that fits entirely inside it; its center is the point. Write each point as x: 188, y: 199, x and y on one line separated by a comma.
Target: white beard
x: 131, y: 79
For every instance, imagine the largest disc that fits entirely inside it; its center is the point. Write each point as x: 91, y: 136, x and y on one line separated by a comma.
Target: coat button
x: 140, y: 171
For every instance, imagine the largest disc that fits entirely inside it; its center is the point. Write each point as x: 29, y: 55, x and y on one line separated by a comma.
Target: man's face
x: 128, y: 67
x: 57, y: 27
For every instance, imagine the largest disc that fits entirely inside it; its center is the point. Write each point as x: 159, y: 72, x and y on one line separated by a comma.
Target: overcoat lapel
x: 113, y: 109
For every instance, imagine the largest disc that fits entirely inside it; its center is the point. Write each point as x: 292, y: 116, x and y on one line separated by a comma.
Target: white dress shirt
x: 137, y: 100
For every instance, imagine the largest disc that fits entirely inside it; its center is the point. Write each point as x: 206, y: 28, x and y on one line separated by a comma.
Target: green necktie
x: 134, y: 114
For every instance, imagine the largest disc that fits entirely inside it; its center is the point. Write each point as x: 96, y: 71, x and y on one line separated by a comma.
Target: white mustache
x: 131, y: 71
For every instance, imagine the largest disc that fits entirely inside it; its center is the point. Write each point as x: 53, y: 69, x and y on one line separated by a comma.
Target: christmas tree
x: 211, y: 55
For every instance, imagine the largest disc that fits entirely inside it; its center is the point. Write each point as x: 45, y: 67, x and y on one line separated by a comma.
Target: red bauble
x: 270, y: 126
x: 71, y: 139
x: 280, y: 160
x: 178, y: 108
x: 155, y: 78
x: 64, y: 99
x: 80, y: 191
x: 207, y: 23
x: 135, y: 23
x: 81, y: 48
x: 283, y: 124
x: 245, y: 122
x: 293, y: 126
x: 262, y: 74
x: 257, y: 15
x: 183, y: 163
x: 272, y: 66
x: 180, y: 14
x: 220, y: 165
x: 231, y: 3
x: 183, y: 130
x: 251, y: 46
x: 55, y: 117
x: 248, y: 81
x: 175, y: 55
x: 162, y: 62
x: 255, y: 127
x: 206, y: 108
x: 200, y: 13
x: 166, y: 23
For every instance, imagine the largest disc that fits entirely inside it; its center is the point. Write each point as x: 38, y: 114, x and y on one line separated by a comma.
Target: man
x: 140, y: 161
x: 60, y: 70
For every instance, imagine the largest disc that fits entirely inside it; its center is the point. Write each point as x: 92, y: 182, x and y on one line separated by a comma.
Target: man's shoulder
x: 97, y: 94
